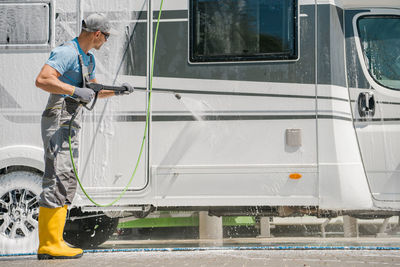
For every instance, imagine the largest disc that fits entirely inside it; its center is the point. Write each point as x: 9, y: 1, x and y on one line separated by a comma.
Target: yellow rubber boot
x: 61, y: 234
x: 51, y: 243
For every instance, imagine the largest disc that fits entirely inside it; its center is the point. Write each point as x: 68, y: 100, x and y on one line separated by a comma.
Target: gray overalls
x: 59, y: 181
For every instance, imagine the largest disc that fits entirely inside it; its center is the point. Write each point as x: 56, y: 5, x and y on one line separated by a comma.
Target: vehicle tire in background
x: 89, y: 232
x: 19, y: 210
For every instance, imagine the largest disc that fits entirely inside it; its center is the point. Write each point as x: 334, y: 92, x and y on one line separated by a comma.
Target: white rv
x: 287, y: 107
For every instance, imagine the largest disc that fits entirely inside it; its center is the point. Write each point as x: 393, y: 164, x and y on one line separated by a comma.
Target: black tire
x: 19, y: 210
x: 89, y: 232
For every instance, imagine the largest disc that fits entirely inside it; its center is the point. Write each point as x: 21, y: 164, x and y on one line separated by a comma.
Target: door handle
x: 366, y: 104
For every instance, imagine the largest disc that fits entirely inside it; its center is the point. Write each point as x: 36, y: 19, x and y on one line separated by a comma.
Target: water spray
x: 99, y: 87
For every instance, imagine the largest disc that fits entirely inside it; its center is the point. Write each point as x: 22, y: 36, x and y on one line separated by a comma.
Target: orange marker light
x: 295, y: 176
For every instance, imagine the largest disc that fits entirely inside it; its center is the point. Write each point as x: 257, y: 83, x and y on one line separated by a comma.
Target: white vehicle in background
x: 288, y: 107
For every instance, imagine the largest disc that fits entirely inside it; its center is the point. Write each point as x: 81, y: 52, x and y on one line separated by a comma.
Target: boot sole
x: 51, y: 257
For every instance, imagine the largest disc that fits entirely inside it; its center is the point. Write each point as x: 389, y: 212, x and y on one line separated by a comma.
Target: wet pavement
x: 232, y: 252
x: 221, y: 258
x: 283, y: 242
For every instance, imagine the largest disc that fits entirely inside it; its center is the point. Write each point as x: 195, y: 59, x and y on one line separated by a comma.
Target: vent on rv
x: 293, y: 137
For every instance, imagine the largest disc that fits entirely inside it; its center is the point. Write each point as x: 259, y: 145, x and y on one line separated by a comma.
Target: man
x: 69, y: 67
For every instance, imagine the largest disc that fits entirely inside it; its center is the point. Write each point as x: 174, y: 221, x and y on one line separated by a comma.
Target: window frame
x: 361, y: 52
x: 270, y: 57
x: 51, y: 24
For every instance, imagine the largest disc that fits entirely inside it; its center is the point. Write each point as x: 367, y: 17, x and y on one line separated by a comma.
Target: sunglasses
x: 106, y: 35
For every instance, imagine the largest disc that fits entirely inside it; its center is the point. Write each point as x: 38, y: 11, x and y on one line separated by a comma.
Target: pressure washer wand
x: 97, y: 87
x: 177, y: 96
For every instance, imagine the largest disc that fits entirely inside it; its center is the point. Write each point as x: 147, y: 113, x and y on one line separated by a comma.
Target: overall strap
x: 84, y: 70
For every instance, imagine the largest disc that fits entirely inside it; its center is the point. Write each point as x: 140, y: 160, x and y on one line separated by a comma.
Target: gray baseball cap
x: 97, y: 22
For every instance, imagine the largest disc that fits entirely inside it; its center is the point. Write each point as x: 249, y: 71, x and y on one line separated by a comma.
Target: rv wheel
x: 19, y: 210
x: 89, y: 231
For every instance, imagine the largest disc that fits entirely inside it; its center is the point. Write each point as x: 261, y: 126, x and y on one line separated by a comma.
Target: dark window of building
x: 380, y: 43
x: 24, y: 23
x: 243, y: 30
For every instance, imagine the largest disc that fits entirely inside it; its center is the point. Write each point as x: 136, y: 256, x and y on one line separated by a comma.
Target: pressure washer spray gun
x: 97, y: 87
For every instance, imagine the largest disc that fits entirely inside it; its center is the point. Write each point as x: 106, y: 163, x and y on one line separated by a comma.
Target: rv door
x: 373, y: 63
x: 113, y: 132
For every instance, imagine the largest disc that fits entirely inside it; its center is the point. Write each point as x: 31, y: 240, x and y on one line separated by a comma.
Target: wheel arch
x: 21, y: 157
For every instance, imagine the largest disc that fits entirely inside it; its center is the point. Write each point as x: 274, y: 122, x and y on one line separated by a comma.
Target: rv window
x: 24, y: 24
x: 243, y: 30
x: 380, y: 42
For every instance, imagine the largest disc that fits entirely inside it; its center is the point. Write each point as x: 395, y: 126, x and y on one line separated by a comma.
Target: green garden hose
x: 144, y: 135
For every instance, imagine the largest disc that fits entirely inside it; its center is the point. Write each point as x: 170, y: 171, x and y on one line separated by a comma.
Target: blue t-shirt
x: 65, y: 60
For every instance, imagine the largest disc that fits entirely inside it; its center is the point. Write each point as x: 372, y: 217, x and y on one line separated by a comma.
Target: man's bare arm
x: 49, y: 82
